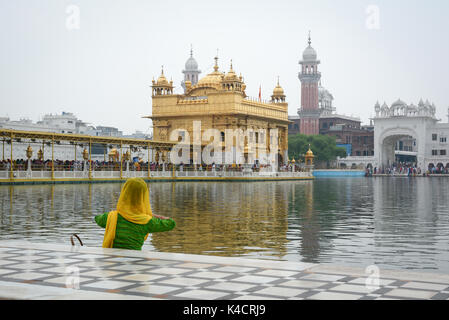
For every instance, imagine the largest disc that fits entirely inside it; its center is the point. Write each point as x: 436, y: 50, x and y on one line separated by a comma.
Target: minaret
x: 309, y: 76
x: 191, y: 71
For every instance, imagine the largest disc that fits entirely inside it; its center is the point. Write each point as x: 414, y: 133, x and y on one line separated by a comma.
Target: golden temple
x: 220, y: 102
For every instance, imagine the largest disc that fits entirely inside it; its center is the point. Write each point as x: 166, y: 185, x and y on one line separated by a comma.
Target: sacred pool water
x: 396, y: 223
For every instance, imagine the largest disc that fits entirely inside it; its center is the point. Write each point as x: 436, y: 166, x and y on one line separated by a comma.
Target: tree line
x: 324, y: 147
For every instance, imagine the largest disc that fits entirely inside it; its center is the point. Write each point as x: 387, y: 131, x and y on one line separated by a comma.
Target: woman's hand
x: 160, y: 217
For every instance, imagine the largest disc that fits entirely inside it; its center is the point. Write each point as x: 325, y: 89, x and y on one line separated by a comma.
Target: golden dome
x: 309, y: 153
x: 231, y: 74
x: 278, y: 91
x: 162, y: 81
x: 213, y: 79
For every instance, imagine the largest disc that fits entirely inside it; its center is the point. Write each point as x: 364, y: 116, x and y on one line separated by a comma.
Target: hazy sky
x: 102, y: 71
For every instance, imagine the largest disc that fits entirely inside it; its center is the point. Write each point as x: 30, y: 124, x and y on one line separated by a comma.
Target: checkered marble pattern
x: 43, y: 271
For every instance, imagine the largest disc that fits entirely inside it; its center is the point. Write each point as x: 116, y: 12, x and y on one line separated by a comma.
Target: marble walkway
x: 46, y: 272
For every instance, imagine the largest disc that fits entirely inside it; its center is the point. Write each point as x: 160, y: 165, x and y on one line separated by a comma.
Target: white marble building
x: 410, y: 123
x: 65, y: 122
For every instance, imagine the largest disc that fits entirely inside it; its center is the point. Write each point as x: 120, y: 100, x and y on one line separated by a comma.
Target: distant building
x: 411, y: 133
x: 139, y: 135
x: 317, y: 113
x: 66, y: 122
x: 309, y: 113
x: 293, y: 127
x: 358, y: 140
x: 349, y: 133
x: 108, y: 132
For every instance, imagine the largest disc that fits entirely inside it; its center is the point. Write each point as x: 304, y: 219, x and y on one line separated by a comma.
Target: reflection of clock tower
x: 309, y: 76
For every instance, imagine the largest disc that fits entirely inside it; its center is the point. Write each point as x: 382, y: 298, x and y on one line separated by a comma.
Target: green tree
x: 324, y: 147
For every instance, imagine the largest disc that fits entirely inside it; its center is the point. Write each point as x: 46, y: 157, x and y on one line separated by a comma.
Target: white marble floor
x: 46, y: 272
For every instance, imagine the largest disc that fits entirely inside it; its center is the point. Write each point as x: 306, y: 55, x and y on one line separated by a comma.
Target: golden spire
x: 278, y: 92
x: 231, y: 74
x: 216, y: 62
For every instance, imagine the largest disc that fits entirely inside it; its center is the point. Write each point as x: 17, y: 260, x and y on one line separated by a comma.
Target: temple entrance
x: 398, y: 150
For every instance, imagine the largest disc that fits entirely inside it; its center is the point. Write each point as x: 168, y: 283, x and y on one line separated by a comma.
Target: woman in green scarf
x: 128, y: 226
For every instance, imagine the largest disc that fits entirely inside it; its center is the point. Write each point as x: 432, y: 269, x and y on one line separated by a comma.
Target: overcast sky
x: 102, y: 71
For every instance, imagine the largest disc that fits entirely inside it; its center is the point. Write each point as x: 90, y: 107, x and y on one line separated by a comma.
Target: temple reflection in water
x: 398, y: 223
x: 223, y: 219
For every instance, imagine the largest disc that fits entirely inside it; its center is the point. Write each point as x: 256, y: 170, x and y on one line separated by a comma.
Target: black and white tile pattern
x: 43, y: 271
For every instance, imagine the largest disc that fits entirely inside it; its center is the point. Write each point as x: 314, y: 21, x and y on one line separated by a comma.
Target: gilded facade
x: 219, y: 101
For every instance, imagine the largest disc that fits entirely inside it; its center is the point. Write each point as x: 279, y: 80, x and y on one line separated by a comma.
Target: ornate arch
x: 387, y: 138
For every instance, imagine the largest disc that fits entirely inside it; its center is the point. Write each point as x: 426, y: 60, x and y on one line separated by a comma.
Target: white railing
x: 70, y: 175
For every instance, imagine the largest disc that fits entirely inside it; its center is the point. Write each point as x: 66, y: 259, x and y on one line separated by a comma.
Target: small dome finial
x: 310, y: 40
x: 216, y: 62
x: 162, y: 69
x: 191, y: 50
x: 278, y: 80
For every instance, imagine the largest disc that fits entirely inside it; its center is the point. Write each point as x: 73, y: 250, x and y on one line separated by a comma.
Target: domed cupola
x: 162, y: 80
x: 191, y: 71
x: 231, y: 82
x: 278, y: 94
x: 377, y: 107
x: 398, y: 108
x: 162, y: 86
x: 230, y: 76
x: 412, y: 110
x: 212, y: 81
x: 309, y: 54
x: 191, y: 64
x: 385, y: 110
x: 325, y: 99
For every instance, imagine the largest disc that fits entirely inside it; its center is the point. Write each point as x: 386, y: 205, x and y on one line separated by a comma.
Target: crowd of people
x: 401, y: 169
x: 409, y: 169
x: 95, y: 165
x: 438, y: 170
x: 72, y: 165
